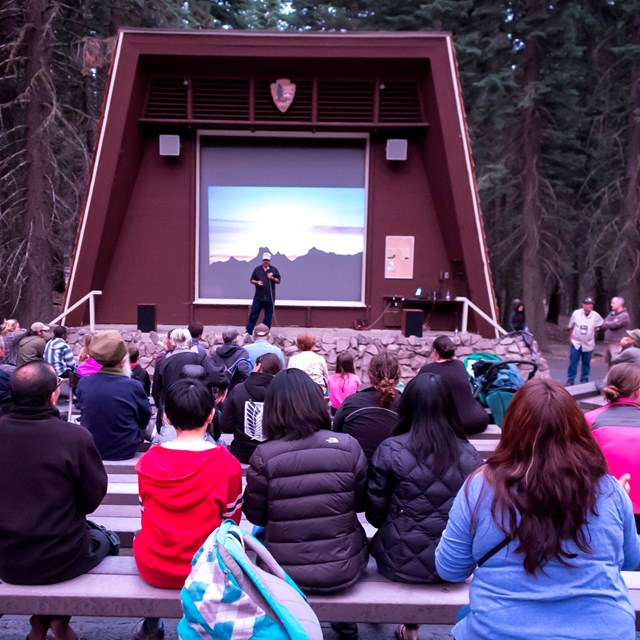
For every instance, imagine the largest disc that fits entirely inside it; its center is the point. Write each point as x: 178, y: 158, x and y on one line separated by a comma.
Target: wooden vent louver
x: 400, y: 102
x: 345, y: 101
x: 340, y: 103
x: 168, y: 99
x: 299, y: 111
x: 220, y: 99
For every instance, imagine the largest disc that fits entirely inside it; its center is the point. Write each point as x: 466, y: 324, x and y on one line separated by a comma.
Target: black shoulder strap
x: 492, y: 552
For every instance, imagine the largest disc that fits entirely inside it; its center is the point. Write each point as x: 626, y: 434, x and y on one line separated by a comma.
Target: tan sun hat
x: 107, y: 348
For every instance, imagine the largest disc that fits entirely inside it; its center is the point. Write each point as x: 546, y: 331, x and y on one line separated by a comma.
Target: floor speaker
x: 412, y: 321
x: 147, y: 317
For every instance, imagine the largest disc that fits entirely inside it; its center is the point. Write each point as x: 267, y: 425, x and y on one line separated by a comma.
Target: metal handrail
x: 92, y: 309
x: 465, y: 316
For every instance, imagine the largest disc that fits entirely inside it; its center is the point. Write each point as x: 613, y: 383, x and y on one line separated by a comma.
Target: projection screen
x: 302, y: 199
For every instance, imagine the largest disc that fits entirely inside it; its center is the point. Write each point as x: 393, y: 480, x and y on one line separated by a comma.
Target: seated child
x: 187, y: 487
x: 344, y: 382
x: 137, y: 372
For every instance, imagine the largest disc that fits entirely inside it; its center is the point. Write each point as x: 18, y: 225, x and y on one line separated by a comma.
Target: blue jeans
x: 574, y: 358
x: 256, y: 307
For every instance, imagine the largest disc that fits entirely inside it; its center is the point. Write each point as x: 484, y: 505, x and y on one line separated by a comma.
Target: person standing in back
x: 615, y: 326
x: 582, y: 340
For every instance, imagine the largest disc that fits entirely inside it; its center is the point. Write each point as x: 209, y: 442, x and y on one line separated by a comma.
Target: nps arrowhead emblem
x: 283, y: 91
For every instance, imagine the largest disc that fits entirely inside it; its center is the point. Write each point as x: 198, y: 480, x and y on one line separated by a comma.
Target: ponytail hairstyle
x: 545, y: 474
x: 384, y: 373
x: 623, y: 380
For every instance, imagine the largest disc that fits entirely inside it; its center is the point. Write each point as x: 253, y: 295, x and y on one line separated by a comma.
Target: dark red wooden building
x: 344, y: 155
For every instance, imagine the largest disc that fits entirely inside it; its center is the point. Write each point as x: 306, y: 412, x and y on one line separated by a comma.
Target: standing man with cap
x: 265, y: 278
x: 582, y: 338
x: 113, y: 406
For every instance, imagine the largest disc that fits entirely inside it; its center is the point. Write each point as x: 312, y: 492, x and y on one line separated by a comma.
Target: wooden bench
x: 114, y: 589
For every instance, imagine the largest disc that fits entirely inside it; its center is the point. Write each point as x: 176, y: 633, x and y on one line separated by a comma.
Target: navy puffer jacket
x: 410, y: 506
x: 306, y: 494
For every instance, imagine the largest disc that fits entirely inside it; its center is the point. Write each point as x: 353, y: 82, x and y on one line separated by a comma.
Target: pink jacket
x: 616, y: 428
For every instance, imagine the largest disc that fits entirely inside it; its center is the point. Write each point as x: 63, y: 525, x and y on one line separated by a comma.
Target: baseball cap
x: 266, y: 256
x: 261, y: 330
x: 39, y: 326
x: 229, y: 335
x: 587, y: 301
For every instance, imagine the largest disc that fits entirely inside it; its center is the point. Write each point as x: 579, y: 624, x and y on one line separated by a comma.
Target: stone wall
x: 412, y: 352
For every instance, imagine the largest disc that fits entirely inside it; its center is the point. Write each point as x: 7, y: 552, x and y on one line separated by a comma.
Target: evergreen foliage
x: 551, y: 90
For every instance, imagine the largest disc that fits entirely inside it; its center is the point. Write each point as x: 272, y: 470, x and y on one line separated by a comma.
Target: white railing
x: 466, y: 303
x: 92, y: 309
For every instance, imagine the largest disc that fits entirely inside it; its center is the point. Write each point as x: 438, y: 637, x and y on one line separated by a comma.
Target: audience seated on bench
x: 51, y: 476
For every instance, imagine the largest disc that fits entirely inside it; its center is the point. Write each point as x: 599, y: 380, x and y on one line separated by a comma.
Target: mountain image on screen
x: 312, y: 276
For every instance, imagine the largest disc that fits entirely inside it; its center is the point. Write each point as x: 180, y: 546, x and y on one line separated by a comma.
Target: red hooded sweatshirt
x: 184, y: 496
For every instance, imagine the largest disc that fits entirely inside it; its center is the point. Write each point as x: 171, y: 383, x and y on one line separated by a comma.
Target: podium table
x: 437, y: 315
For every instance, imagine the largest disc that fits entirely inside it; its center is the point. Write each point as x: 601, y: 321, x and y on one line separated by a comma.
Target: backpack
x: 236, y: 376
x: 233, y: 371
x: 228, y: 596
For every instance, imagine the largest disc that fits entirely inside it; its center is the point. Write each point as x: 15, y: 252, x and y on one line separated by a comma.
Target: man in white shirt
x: 582, y: 336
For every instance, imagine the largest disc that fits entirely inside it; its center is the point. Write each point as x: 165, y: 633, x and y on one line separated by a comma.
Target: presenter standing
x: 265, y: 278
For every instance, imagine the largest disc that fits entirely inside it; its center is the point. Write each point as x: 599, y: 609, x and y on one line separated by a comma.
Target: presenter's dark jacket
x: 262, y: 293
x: 51, y: 477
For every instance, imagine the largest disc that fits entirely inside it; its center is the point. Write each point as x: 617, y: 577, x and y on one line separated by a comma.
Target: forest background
x: 551, y: 91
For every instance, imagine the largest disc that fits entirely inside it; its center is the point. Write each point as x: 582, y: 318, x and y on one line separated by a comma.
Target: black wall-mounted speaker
x: 147, y: 317
x: 412, y: 321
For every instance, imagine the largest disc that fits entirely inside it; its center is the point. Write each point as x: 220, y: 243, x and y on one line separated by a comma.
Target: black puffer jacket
x: 306, y: 494
x: 242, y: 414
x: 410, y: 506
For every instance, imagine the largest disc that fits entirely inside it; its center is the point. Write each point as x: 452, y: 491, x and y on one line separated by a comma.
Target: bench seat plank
x: 116, y: 511
x: 114, y: 589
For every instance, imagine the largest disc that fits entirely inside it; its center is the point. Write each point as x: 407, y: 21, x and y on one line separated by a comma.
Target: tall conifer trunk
x: 631, y: 204
x: 36, y: 302
x: 532, y: 279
